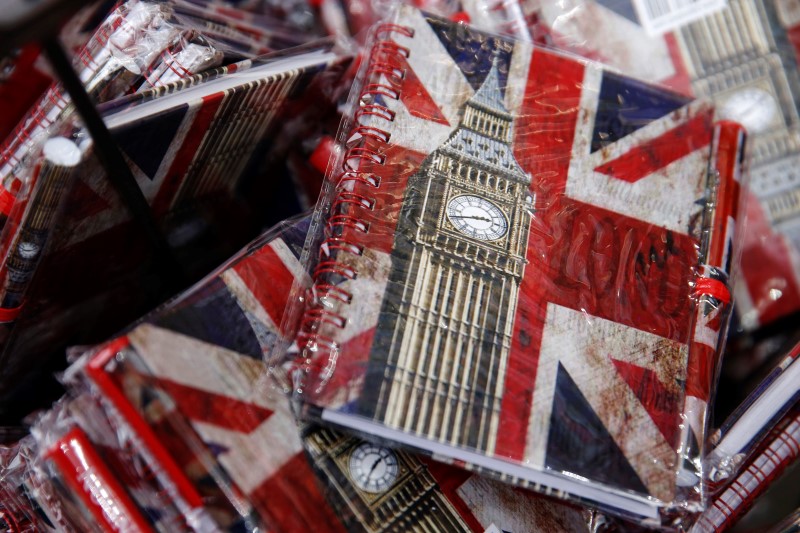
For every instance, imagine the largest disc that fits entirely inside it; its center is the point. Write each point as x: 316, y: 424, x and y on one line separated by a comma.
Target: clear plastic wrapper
x: 18, y: 512
x: 236, y: 24
x: 128, y: 41
x: 354, y: 17
x: 744, y: 56
x: 200, y: 151
x: 775, y: 453
x: 65, y: 509
x: 499, y: 16
x: 521, y: 262
x: 191, y: 55
x: 21, y: 85
x: 141, y: 45
x: 25, y: 75
x: 29, y: 502
x: 203, y: 397
x: 741, y: 433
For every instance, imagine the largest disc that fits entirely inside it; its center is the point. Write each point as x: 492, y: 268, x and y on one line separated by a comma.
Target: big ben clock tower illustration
x: 437, y: 364
x: 375, y: 488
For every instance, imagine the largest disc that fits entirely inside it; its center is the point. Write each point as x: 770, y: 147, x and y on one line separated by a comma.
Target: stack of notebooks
x: 202, y: 148
x: 181, y: 429
x: 521, y: 264
x: 506, y: 312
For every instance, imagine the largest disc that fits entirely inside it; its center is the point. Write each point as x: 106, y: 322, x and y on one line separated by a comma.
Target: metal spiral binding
x: 384, y: 79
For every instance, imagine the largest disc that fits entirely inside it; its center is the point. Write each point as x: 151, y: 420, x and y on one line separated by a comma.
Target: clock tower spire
x: 437, y: 365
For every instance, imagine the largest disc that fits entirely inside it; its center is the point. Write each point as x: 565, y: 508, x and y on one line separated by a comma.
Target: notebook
x: 753, y: 76
x: 196, y: 365
x: 743, y: 431
x: 195, y: 398
x: 520, y: 263
x: 776, y: 453
x: 200, y: 156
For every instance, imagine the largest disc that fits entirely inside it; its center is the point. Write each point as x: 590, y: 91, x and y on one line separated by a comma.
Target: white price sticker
x: 661, y: 16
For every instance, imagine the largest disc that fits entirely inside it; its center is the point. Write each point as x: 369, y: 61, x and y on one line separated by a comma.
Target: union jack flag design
x: 206, y: 436
x: 594, y: 359
x: 204, y: 146
x: 193, y: 373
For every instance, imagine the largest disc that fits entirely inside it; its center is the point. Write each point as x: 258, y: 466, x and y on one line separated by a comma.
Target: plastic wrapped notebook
x: 744, y: 56
x: 521, y: 263
x: 754, y: 447
x: 199, y: 150
x: 743, y: 431
x: 185, y: 395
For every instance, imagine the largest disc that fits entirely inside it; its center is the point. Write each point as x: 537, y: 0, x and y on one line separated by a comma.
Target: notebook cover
x: 220, y: 396
x: 750, y: 68
x: 507, y: 265
x: 202, y: 362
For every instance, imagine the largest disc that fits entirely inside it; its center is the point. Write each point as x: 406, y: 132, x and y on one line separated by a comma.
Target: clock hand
x: 374, y: 466
x: 483, y: 219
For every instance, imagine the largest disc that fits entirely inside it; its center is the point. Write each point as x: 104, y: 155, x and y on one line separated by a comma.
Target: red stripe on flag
x: 215, y: 409
x: 660, y: 403
x: 269, y: 279
x: 543, y: 143
x: 290, y: 500
x: 416, y: 97
x: 644, y: 159
x: 615, y: 267
x: 177, y: 171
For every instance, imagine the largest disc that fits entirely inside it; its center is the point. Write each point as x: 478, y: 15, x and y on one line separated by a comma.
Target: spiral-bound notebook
x: 521, y: 263
x: 775, y: 455
x: 745, y: 429
x: 191, y: 381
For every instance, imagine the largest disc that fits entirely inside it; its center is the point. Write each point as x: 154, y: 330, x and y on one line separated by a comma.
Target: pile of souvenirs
x: 456, y: 265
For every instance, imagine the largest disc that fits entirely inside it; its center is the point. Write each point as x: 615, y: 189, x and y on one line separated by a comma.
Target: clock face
x: 753, y: 108
x: 477, y: 217
x: 373, y: 468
